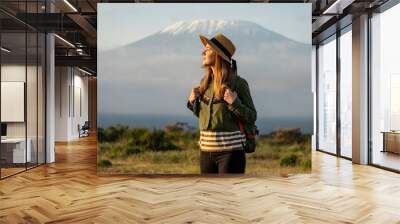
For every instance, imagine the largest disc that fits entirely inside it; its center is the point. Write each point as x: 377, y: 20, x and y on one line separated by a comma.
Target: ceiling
x: 332, y: 15
x: 75, y: 21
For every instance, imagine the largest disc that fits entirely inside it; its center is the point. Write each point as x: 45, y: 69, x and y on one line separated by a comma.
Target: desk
x: 391, y: 141
x: 13, y: 150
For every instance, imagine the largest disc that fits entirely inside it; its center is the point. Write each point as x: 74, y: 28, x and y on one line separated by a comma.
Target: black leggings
x: 223, y: 162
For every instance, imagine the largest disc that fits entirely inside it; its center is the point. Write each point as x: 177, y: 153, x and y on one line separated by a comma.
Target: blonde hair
x: 222, y: 78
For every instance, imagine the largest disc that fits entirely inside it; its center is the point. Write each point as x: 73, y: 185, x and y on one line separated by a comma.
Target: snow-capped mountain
x: 209, y: 27
x: 168, y: 64
x: 182, y: 38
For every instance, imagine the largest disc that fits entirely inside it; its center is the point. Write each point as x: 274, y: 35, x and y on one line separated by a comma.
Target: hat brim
x: 206, y: 41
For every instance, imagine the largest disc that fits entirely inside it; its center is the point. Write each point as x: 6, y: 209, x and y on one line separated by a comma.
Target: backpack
x: 249, y: 129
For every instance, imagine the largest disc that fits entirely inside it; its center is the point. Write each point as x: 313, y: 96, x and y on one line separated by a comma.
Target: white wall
x: 62, y: 81
x: 14, y: 73
x: 70, y: 84
x: 81, y: 89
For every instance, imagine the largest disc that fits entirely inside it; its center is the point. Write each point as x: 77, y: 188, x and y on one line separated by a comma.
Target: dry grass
x: 266, y: 160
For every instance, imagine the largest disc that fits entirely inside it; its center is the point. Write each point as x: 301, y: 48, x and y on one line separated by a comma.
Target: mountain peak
x: 208, y: 27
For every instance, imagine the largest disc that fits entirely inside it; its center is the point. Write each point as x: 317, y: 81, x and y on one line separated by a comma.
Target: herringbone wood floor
x: 69, y: 191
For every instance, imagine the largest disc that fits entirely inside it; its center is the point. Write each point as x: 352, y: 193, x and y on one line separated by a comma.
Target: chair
x: 84, y: 130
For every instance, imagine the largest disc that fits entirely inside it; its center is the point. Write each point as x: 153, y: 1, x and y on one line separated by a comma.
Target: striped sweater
x: 218, y: 141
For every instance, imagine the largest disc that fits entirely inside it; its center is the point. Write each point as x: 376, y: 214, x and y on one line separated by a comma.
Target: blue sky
x: 123, y: 23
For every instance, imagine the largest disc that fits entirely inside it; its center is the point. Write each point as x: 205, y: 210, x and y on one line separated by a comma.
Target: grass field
x: 174, y: 150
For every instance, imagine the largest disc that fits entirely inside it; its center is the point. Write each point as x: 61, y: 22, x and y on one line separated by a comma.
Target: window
x: 346, y: 92
x: 327, y: 95
x: 385, y: 89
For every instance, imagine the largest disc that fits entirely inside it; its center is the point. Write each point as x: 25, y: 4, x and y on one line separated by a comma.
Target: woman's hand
x: 229, y: 96
x: 194, y: 94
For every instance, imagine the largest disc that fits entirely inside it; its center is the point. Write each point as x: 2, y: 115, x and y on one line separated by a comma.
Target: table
x: 391, y: 141
x: 13, y: 150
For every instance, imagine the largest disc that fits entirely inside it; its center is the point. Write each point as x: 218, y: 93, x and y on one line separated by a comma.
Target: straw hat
x: 221, y: 44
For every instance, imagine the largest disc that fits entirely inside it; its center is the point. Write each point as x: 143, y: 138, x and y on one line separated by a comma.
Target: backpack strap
x: 234, y: 83
x: 241, y: 124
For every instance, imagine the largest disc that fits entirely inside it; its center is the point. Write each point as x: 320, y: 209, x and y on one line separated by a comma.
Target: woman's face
x: 208, y: 56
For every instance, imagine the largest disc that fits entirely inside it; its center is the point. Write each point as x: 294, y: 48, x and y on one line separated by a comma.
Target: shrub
x: 133, y: 150
x: 104, y: 163
x: 306, y: 164
x: 138, y: 136
x: 287, y: 136
x: 114, y: 151
x: 296, y: 148
x: 128, y: 141
x: 157, y: 141
x: 289, y: 160
x: 112, y: 133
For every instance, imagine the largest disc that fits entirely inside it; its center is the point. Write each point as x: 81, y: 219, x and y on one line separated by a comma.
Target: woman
x: 222, y: 99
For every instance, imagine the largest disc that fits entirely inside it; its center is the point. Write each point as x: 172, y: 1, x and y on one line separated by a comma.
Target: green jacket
x: 222, y: 116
